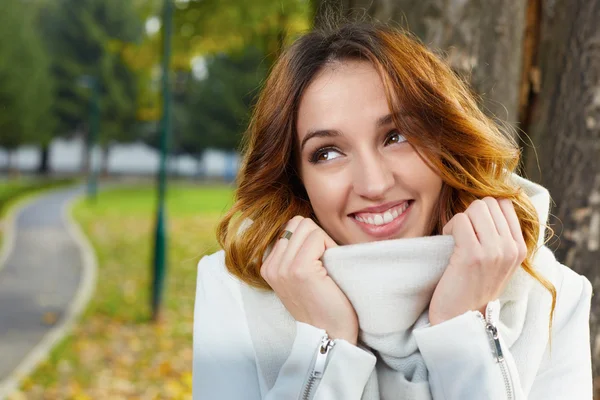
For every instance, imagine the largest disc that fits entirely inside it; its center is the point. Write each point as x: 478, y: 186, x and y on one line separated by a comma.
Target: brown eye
x: 395, y: 137
x: 324, y: 154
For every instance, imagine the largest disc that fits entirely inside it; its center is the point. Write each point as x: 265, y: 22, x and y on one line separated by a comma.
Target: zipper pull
x: 492, y: 315
x: 326, y: 345
x: 493, y: 333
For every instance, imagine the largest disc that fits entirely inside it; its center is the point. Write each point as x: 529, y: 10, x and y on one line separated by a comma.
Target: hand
x: 489, y: 247
x: 295, y: 272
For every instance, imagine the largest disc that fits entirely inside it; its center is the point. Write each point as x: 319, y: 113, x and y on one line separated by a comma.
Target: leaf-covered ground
x: 115, y: 351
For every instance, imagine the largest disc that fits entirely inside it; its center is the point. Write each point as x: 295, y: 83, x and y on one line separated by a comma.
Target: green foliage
x: 26, y: 87
x: 240, y: 40
x: 80, y: 34
x: 215, y: 110
x: 209, y: 27
x: 46, y: 47
x: 213, y: 26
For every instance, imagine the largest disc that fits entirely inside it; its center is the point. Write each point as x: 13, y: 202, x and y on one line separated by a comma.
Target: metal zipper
x: 319, y: 368
x: 492, y: 332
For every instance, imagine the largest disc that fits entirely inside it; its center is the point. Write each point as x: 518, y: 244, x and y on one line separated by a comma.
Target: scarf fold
x: 390, y: 284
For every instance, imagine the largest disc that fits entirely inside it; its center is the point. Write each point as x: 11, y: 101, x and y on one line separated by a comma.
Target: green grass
x: 7, y: 186
x: 182, y: 200
x: 115, y: 351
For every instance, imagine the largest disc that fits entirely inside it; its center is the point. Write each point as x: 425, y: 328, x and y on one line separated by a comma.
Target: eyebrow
x: 383, y: 121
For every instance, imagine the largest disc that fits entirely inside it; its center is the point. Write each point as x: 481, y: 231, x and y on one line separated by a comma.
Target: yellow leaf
x: 187, y: 379
x: 165, y: 368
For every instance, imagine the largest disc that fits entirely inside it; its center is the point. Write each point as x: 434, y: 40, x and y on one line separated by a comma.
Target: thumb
x: 329, y: 242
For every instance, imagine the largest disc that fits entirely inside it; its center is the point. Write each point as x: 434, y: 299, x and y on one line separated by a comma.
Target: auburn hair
x: 433, y: 107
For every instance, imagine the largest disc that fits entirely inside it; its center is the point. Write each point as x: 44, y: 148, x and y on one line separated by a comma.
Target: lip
x: 387, y: 230
x: 381, y: 208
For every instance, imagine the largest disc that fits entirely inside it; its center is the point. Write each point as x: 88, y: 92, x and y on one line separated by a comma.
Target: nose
x: 373, y: 177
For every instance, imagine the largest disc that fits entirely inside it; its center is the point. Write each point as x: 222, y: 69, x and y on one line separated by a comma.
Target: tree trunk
x: 44, y: 166
x: 481, y: 40
x: 105, y: 160
x: 86, y: 153
x: 565, y: 128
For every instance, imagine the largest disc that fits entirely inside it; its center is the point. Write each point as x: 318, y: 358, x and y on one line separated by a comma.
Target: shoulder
x: 215, y: 283
x: 212, y: 265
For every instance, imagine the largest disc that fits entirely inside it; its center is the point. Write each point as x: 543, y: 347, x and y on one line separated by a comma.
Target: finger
x: 312, y: 249
x: 273, y: 261
x: 500, y: 221
x: 304, y: 229
x: 508, y: 208
x: 483, y: 223
x: 461, y: 229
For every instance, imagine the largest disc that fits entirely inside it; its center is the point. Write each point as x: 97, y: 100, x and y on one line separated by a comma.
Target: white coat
x: 246, y: 345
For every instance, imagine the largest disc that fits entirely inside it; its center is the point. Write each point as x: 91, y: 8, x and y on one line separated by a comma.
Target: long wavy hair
x: 440, y: 117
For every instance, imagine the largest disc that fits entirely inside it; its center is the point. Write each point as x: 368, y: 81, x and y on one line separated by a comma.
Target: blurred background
x: 130, y: 114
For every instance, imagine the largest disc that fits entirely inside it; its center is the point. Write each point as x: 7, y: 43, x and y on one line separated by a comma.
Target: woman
x: 411, y: 263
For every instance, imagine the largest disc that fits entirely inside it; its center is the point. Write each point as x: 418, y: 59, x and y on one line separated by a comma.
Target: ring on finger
x: 286, y: 235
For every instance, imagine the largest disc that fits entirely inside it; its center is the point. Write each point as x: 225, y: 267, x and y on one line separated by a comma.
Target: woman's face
x: 365, y: 182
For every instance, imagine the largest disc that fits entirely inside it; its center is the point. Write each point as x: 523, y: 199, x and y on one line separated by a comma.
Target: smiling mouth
x: 384, y: 218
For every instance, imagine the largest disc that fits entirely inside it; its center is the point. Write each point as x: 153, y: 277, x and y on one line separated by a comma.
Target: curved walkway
x: 46, y: 279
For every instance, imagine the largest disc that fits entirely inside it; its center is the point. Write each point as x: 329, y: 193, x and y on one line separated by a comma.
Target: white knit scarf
x: 390, y: 284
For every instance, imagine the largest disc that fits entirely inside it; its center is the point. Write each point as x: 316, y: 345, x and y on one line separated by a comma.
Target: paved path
x: 39, y: 278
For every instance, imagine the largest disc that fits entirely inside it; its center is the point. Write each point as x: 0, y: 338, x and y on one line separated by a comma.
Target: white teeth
x: 387, y: 217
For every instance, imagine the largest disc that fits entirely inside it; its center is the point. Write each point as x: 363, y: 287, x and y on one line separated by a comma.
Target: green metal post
x: 160, y: 238
x: 94, y: 130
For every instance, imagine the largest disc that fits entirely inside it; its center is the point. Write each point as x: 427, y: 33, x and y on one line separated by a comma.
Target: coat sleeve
x: 224, y: 365
x: 566, y: 369
x: 467, y: 369
x: 462, y: 363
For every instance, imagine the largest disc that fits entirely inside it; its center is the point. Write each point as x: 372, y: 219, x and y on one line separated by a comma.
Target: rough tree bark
x: 565, y: 128
x: 480, y: 39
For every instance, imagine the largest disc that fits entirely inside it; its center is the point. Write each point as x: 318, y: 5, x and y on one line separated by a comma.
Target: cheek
x: 326, y: 195
x: 423, y: 177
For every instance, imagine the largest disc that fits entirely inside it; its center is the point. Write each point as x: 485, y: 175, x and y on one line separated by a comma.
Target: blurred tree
x: 79, y: 34
x: 214, y: 111
x: 540, y: 60
x: 207, y: 27
x: 26, y: 87
x: 212, y: 26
